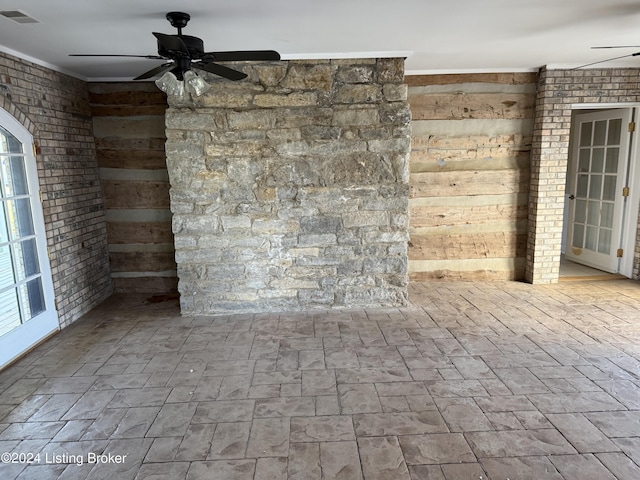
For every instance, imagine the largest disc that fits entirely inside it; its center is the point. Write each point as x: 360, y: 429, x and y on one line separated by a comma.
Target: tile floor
x: 471, y: 381
x: 572, y: 271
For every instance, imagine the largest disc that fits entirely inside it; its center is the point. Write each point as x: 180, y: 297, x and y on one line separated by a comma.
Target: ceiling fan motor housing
x: 195, y: 46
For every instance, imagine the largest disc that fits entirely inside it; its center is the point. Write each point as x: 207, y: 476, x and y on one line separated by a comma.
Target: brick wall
x: 55, y: 109
x: 557, y: 91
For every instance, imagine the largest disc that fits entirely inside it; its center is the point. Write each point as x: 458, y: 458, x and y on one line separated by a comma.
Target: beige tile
x: 617, y: 424
x: 514, y: 443
x: 222, y: 470
x: 285, y: 407
x: 382, y: 459
x: 269, y: 438
x: 620, y: 465
x: 304, y: 461
x: 196, y: 442
x: 155, y: 471
x: 582, y: 433
x: 224, y: 411
x: 229, y: 440
x: 136, y: 422
x: 575, y: 402
x: 463, y: 415
x: 340, y: 461
x: 521, y: 468
x: 583, y: 467
x: 358, y: 398
x: 410, y: 423
x: 265, y: 397
x: 172, y: 420
x: 322, y: 429
x: 438, y: 448
x: 271, y: 468
x: 318, y: 382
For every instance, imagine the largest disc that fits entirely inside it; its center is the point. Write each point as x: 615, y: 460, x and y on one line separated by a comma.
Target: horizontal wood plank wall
x: 129, y: 128
x: 471, y: 145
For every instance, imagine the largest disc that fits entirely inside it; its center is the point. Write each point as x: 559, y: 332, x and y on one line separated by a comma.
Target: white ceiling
x: 436, y: 36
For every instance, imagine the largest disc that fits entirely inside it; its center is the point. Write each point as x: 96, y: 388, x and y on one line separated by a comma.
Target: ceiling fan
x: 635, y: 54
x: 184, y: 52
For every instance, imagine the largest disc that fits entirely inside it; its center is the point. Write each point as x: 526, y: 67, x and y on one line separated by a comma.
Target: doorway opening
x: 600, y: 210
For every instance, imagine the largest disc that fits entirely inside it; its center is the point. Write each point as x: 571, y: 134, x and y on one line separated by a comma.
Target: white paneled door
x: 27, y: 307
x: 595, y: 188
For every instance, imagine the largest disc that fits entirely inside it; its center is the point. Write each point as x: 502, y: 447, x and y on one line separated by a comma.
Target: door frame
x: 632, y: 205
x: 15, y: 343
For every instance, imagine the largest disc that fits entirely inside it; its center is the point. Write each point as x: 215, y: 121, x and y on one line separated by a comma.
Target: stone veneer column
x: 289, y: 190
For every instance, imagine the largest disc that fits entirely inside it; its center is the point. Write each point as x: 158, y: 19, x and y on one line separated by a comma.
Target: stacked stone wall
x: 289, y: 190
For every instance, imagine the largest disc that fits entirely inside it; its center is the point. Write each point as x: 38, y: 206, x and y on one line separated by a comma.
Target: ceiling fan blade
x: 171, y: 43
x: 240, y: 56
x: 607, y: 60
x: 220, y: 70
x: 152, y: 57
x: 156, y: 71
x: 618, y: 46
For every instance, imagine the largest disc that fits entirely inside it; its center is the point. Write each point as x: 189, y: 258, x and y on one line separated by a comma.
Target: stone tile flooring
x: 471, y: 381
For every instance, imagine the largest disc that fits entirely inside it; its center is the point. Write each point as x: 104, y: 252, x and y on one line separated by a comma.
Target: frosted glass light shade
x: 170, y: 85
x: 195, y: 84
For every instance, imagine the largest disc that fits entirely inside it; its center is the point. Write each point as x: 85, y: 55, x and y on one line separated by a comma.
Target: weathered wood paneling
x: 475, y: 182
x: 456, y: 106
x: 135, y: 194
x: 471, y: 144
x: 139, y: 232
x: 145, y: 153
x: 142, y: 261
x: 128, y: 123
x: 516, y: 78
x: 461, y: 214
x: 150, y: 284
x: 468, y: 246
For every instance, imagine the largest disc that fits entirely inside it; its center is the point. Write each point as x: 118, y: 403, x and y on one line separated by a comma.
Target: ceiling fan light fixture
x: 170, y: 84
x: 195, y: 84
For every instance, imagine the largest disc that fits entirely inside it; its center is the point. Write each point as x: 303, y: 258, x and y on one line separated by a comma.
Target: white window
x: 27, y: 307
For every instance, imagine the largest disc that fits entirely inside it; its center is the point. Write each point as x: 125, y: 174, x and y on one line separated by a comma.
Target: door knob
x: 572, y: 197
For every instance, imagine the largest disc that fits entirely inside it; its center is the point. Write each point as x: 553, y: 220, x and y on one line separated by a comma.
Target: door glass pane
x: 583, y: 183
x: 595, y: 186
x: 612, y: 160
x: 591, y: 238
x: 583, y: 160
x: 32, y: 299
x: 6, y: 267
x: 4, y: 234
x: 580, y: 214
x: 600, y: 132
x: 604, y: 242
x: 27, y: 259
x: 14, y: 176
x: 9, y: 143
x: 607, y: 215
x: 19, y: 218
x: 615, y: 127
x: 9, y: 311
x: 609, y: 191
x: 585, y: 134
x: 578, y: 235
x: 593, y: 213
x: 597, y: 161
